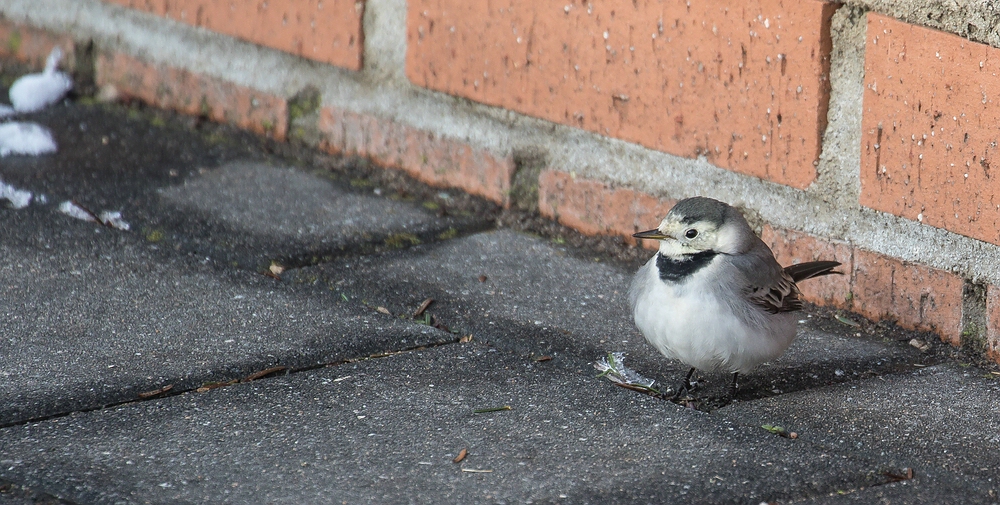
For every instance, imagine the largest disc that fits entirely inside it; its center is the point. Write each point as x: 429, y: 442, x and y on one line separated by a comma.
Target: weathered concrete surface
x: 387, y: 430
x: 220, y: 194
x: 94, y: 316
x: 100, y: 315
x: 539, y: 298
x: 941, y: 421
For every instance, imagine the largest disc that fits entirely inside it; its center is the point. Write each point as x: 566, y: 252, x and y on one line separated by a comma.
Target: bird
x: 713, y: 296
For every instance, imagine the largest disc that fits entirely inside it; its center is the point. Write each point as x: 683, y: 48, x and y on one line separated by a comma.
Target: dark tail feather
x: 810, y: 269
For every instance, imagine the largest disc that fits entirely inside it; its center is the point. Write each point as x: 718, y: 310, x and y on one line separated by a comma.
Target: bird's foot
x: 684, y: 390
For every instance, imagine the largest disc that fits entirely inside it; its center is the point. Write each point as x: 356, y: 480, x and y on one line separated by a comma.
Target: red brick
x: 792, y: 247
x: 426, y: 156
x: 915, y: 296
x: 595, y: 208
x: 743, y: 84
x: 327, y: 31
x: 172, y: 88
x: 993, y: 323
x: 929, y: 145
x: 33, y: 45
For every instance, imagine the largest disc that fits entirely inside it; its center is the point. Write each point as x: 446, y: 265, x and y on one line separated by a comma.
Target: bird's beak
x: 651, y: 234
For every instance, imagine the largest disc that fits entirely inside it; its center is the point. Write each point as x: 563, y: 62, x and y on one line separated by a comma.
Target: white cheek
x: 726, y: 240
x: 671, y: 248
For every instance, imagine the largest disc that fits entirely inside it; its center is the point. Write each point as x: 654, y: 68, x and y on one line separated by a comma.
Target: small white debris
x: 18, y: 198
x: 6, y: 111
x: 114, y: 220
x: 71, y: 209
x: 111, y: 219
x: 25, y: 138
x: 108, y: 93
x: 34, y: 92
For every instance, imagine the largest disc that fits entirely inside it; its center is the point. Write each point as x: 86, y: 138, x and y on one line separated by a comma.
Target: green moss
x: 157, y: 122
x: 215, y: 138
x: 400, y: 240
x: 448, y: 234
x: 88, y: 101
x: 14, y: 41
x: 304, y: 103
x: 205, y: 108
x: 155, y: 235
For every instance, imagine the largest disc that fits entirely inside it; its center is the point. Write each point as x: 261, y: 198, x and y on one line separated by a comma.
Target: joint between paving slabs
x: 376, y: 245
x: 169, y: 390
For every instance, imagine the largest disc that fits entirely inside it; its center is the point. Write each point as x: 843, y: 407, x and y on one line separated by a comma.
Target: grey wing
x: 768, y: 286
x: 781, y: 295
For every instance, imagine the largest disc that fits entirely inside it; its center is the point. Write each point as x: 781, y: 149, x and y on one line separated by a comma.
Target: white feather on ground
x: 114, y: 220
x: 108, y: 218
x: 71, y: 209
x: 18, y: 198
x: 6, y: 111
x: 25, y: 138
x: 613, y: 367
x: 34, y: 92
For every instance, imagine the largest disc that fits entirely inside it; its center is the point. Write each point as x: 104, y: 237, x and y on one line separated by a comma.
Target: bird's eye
x: 692, y: 233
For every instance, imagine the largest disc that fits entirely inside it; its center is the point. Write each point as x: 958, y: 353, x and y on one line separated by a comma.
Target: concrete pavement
x: 251, y: 339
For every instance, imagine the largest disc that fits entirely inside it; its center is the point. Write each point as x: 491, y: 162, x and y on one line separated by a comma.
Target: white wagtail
x: 714, y: 297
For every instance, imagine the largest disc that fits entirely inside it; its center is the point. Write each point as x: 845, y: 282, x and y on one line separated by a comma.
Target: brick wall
x: 633, y: 105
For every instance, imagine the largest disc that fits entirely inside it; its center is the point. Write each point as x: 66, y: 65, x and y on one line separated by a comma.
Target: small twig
x: 150, y: 394
x: 263, y: 373
x: 491, y: 409
x: 88, y: 211
x: 214, y: 385
x: 470, y: 470
x: 906, y: 474
x: 423, y: 306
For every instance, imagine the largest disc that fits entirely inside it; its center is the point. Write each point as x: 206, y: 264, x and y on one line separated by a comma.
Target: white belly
x: 698, y: 329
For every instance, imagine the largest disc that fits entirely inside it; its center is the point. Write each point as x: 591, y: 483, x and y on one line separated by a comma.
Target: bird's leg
x: 734, y: 387
x: 687, y: 379
x: 685, y: 386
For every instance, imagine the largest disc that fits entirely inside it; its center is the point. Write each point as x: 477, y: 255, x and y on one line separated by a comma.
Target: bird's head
x: 701, y: 224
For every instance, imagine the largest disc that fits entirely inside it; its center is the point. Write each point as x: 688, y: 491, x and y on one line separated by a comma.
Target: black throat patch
x: 674, y: 270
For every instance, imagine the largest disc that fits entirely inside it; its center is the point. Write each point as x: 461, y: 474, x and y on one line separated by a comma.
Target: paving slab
x: 535, y: 297
x: 101, y: 315
x: 255, y: 213
x: 940, y: 421
x: 388, y: 430
x: 218, y: 192
x: 15, y: 494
